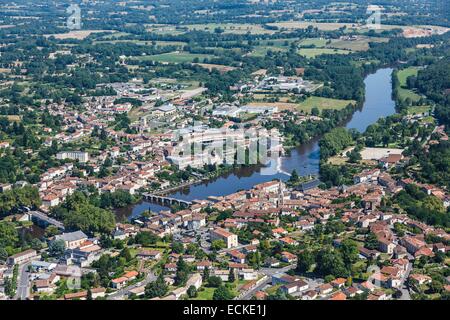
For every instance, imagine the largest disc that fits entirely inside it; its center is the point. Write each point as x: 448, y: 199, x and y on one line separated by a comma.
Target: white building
x: 81, y: 156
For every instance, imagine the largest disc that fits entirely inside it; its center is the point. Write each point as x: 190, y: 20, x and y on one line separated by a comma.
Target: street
x: 120, y: 294
x: 268, y: 272
x: 23, y: 283
x: 403, y: 288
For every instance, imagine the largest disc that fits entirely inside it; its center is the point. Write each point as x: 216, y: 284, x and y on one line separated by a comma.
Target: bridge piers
x: 166, y: 201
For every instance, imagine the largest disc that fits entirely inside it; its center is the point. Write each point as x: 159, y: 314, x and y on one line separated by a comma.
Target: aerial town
x: 308, y: 162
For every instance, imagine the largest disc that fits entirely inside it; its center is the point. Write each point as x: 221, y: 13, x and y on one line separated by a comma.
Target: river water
x: 304, y: 159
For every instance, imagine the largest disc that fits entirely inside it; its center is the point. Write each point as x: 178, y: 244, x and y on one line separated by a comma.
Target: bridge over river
x: 166, y: 201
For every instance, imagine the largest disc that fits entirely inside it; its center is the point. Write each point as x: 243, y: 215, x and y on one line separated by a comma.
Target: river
x: 305, y: 158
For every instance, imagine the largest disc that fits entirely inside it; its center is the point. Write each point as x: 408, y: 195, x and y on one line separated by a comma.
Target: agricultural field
x: 219, y: 67
x: 360, y: 44
x: 322, y: 103
x: 292, y: 25
x: 305, y: 106
x: 179, y: 44
x: 165, y: 29
x: 317, y: 42
x: 230, y: 28
x: 175, y: 57
x: 77, y: 34
x: 314, y: 52
x: 261, y: 51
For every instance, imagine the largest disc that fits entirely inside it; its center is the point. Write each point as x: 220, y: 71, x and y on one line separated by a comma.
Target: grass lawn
x: 175, y: 57
x: 261, y: 51
x: 206, y: 294
x: 402, y: 75
x: 428, y: 119
x: 273, y: 289
x: 322, y: 103
x: 418, y: 109
x: 406, y: 93
x: 318, y: 42
x: 403, y: 91
x: 313, y: 52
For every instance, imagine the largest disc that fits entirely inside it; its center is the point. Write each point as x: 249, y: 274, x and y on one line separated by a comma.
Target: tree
x: 192, y: 292
x: 3, y: 254
x: 9, y: 288
x: 305, y: 261
x: 354, y: 156
x: 214, y: 281
x: 125, y: 253
x: 349, y: 251
x: 334, y: 141
x: 371, y: 241
x: 51, y: 231
x: 157, y: 288
x: 182, y: 273
x: 146, y: 238
x: 217, y: 245
x: 8, y: 235
x: 89, y: 294
x: 254, y: 259
x: 12, y: 200
x: 294, y: 177
x: 330, y: 262
x: 90, y: 219
x: 232, y: 276
x: 177, y: 247
x: 205, y: 275
x: 278, y: 295
x: 222, y: 293
x: 56, y: 248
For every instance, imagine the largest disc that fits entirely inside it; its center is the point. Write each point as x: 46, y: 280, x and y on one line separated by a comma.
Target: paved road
x: 43, y: 217
x: 403, y: 288
x: 268, y: 272
x: 120, y: 294
x: 23, y: 283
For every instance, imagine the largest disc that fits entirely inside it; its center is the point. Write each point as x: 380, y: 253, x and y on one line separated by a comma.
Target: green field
x: 360, y: 44
x: 403, y: 92
x: 179, y: 44
x: 175, y: 57
x: 403, y: 74
x: 318, y: 42
x: 314, y: 52
x: 418, y: 109
x: 322, y: 103
x: 406, y: 93
x: 275, y: 45
x: 206, y: 294
x: 235, y: 28
x: 261, y: 51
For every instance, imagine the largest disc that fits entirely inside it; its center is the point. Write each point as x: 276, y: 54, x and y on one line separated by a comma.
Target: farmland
x: 322, y: 103
x: 314, y: 52
x: 175, y: 57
